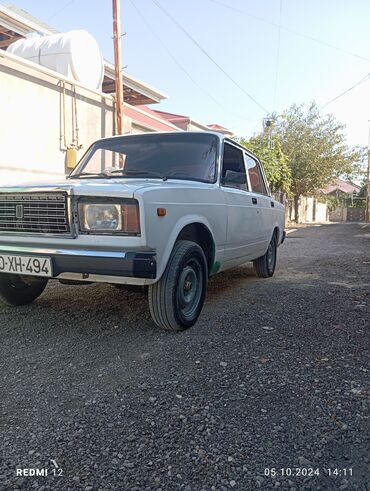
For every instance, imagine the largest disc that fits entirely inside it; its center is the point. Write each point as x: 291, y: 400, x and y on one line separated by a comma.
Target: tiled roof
x: 342, y: 186
x: 173, y: 117
x: 145, y: 116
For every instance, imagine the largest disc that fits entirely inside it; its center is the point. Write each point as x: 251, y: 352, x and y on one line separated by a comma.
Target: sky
x: 321, y: 49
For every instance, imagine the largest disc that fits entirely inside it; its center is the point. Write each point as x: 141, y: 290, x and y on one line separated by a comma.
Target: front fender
x: 180, y: 224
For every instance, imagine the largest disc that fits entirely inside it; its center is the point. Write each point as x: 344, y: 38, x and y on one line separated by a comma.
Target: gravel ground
x: 273, y: 376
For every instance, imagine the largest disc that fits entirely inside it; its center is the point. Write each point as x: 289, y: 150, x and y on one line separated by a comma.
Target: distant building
x: 340, y: 187
x: 348, y: 205
x: 186, y: 123
x: 221, y: 129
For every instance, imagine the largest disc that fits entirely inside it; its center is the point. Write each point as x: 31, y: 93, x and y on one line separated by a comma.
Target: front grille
x: 44, y: 213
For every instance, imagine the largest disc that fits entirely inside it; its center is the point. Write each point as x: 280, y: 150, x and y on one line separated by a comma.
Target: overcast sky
x: 245, y: 45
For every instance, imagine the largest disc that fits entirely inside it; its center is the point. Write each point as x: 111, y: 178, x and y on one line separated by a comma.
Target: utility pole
x: 367, y: 210
x: 118, y: 67
x: 268, y: 124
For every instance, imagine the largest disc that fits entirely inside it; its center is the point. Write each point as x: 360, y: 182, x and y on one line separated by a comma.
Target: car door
x: 263, y: 202
x: 243, y: 229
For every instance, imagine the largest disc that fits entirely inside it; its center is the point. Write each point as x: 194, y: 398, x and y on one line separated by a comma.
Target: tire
x: 20, y: 290
x: 264, y: 266
x: 177, y: 299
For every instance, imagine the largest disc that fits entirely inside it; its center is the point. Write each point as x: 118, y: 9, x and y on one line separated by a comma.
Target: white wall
x: 31, y: 131
x: 322, y: 214
x: 306, y: 209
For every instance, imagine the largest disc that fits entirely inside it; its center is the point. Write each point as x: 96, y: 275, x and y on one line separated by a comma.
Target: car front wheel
x: 20, y: 290
x: 176, y: 300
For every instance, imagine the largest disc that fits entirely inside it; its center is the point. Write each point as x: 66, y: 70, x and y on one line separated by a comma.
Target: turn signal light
x: 130, y: 219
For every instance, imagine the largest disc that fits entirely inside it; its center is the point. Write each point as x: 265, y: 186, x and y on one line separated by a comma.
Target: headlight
x: 109, y: 217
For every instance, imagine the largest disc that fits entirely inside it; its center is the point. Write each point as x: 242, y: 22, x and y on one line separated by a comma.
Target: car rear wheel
x: 264, y: 266
x: 20, y: 290
x: 176, y: 300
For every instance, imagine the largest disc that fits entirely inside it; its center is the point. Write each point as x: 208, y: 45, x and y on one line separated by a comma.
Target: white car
x: 166, y: 210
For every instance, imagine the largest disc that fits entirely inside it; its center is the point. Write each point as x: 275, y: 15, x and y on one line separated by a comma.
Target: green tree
x: 273, y: 159
x: 316, y: 150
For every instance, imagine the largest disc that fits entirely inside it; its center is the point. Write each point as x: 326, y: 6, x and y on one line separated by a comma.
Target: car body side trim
x: 18, y: 249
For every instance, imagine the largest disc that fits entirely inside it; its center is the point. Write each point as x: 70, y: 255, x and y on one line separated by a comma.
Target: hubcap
x: 270, y: 256
x: 190, y: 288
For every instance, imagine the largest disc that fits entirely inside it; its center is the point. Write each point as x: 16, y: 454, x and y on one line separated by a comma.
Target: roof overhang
x: 135, y: 92
x: 13, y: 21
x: 13, y: 27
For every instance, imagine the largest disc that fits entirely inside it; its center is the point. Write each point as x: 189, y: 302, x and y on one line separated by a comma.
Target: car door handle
x: 254, y: 201
x: 272, y: 204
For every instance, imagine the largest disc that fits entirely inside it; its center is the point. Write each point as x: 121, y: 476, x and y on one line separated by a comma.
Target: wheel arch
x: 199, y: 233
x: 195, y: 228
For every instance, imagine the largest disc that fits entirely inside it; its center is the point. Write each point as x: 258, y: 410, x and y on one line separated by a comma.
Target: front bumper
x: 92, y: 262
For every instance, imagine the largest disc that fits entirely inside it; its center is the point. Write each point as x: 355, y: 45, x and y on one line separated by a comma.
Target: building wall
x: 193, y: 126
x: 310, y: 210
x: 338, y: 215
x: 32, y: 131
x: 321, y: 212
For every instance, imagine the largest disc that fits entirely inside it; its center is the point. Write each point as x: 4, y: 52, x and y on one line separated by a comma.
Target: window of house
x: 255, y: 176
x: 233, y: 168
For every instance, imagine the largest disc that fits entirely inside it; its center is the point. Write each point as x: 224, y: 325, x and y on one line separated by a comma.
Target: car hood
x: 124, y: 188
x: 86, y: 187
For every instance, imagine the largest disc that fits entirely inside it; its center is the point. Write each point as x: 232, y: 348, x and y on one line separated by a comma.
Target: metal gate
x: 355, y: 214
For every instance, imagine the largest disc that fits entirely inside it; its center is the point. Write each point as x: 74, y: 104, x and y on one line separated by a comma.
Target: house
x: 341, y: 187
x: 345, y: 204
x: 186, y: 123
x: 221, y: 129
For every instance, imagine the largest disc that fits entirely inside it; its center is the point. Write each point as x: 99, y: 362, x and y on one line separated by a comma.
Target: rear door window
x: 233, y: 168
x: 255, y: 176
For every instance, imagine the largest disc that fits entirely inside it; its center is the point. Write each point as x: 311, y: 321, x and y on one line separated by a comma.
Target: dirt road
x: 271, y: 383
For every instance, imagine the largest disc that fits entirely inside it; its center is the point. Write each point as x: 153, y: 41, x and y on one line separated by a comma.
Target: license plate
x: 27, y: 265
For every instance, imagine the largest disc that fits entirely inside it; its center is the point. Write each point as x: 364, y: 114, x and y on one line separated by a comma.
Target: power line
x: 348, y: 90
x: 292, y: 31
x: 60, y: 10
x: 277, y: 56
x: 182, y: 68
x: 208, y: 55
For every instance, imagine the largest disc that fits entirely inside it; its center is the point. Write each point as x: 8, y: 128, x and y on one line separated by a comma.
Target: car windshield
x: 188, y: 156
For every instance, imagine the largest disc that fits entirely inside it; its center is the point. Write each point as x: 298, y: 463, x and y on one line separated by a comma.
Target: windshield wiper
x: 136, y: 172
x: 86, y: 174
x: 122, y: 172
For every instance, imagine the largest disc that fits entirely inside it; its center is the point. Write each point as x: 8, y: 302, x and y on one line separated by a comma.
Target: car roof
x: 154, y: 133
